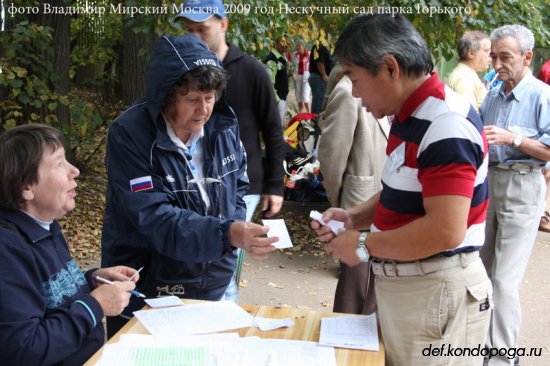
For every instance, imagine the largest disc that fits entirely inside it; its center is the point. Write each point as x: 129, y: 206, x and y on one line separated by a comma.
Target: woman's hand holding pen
x: 118, y: 273
x: 114, y: 297
x: 251, y: 238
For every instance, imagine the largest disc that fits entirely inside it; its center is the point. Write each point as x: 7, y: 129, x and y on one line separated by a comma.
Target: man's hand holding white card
x: 334, y: 225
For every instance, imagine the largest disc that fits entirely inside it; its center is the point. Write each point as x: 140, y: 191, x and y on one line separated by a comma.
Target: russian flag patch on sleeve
x: 141, y: 184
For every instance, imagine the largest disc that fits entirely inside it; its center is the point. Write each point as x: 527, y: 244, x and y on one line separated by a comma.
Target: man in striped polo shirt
x: 428, y: 222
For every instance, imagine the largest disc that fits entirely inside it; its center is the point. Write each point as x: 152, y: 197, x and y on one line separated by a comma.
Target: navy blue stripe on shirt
x: 401, y: 201
x: 474, y: 118
x: 481, y: 193
x: 413, y: 131
x: 451, y: 151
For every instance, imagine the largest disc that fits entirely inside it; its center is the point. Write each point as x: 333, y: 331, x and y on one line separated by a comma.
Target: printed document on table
x: 278, y: 228
x: 283, y: 352
x: 355, y: 332
x: 132, y: 339
x: 207, y: 317
x: 201, y: 351
x: 127, y: 355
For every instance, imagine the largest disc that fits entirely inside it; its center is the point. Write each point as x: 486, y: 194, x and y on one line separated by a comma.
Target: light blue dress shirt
x: 526, y: 110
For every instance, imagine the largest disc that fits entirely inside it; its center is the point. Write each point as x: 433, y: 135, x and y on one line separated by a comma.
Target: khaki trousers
x: 432, y: 319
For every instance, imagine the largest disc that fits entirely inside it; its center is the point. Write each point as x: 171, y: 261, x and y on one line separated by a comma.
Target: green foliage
x: 26, y: 76
x: 94, y: 36
x: 27, y: 81
x: 441, y: 22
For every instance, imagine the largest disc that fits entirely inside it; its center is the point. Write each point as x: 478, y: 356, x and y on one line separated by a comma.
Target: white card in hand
x: 278, y: 228
x: 334, y: 225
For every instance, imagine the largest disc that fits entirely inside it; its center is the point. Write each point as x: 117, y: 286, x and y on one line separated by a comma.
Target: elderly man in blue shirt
x: 517, y: 125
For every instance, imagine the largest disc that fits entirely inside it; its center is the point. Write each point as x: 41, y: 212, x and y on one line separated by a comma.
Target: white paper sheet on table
x: 197, y: 351
x: 278, y: 228
x: 129, y: 355
x: 150, y: 340
x: 195, y: 318
x: 267, y: 324
x: 355, y: 332
x: 288, y: 352
x: 164, y: 302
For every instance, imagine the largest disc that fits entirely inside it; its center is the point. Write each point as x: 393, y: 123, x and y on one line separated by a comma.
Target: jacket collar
x: 28, y: 227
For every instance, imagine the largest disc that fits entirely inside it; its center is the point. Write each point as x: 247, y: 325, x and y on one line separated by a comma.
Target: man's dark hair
x: 203, y: 78
x: 470, y: 41
x: 368, y: 38
x: 21, y: 150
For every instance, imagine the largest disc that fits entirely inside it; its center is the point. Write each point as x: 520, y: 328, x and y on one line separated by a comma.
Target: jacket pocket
x: 358, y: 188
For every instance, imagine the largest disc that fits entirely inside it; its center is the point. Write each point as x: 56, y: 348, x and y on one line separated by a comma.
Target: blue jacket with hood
x: 166, y: 229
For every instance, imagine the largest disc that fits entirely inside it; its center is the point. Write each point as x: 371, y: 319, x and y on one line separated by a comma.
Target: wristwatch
x: 517, y: 140
x: 362, y: 251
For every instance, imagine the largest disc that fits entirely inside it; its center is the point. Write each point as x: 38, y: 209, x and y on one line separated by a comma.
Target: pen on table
x: 133, y: 292
x: 135, y: 274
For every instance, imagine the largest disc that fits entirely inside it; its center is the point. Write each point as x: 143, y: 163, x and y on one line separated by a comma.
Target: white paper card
x: 397, y: 157
x: 334, y: 225
x: 164, y: 302
x: 278, y: 228
x: 267, y: 324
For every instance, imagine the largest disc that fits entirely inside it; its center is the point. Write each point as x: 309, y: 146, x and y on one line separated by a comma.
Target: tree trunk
x: 61, y: 61
x: 134, y: 65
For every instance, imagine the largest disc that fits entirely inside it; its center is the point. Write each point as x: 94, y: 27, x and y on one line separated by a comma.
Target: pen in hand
x: 135, y: 274
x: 133, y: 292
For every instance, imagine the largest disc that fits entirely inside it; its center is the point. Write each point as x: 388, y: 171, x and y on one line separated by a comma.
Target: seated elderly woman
x: 176, y: 179
x: 50, y: 312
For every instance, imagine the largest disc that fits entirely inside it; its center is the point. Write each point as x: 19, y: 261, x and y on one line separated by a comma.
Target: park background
x: 77, y: 65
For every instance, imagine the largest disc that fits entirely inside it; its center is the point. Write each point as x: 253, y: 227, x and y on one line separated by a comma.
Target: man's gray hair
x: 524, y: 36
x: 470, y: 41
x: 368, y: 38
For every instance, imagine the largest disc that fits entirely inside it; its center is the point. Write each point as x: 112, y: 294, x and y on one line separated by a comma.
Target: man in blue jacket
x: 177, y: 177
